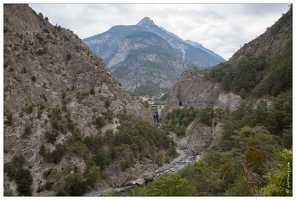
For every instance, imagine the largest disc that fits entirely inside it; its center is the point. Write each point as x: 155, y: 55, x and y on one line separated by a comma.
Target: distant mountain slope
x: 189, y: 51
x: 115, y: 46
x: 146, y: 64
x: 101, y: 44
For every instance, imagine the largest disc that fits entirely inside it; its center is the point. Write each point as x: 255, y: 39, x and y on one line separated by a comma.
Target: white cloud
x: 221, y: 28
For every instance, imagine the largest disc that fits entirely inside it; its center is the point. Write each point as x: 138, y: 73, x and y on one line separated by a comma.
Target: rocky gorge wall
x: 192, y: 89
x: 49, y: 70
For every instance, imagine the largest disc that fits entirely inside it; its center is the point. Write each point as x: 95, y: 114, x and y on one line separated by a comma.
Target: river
x: 185, y: 157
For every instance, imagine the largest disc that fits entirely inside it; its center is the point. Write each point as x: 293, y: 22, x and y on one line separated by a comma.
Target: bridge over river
x: 157, y: 109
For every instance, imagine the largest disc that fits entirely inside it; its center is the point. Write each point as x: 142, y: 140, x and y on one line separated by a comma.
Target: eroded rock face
x: 192, y: 89
x: 137, y: 174
x: 228, y: 100
x: 198, y: 137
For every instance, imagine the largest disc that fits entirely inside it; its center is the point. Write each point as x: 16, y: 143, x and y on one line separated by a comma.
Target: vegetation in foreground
x: 253, y: 159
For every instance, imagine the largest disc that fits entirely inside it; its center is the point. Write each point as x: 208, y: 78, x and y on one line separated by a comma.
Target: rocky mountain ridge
x: 121, y: 50
x: 192, y: 52
x: 56, y: 92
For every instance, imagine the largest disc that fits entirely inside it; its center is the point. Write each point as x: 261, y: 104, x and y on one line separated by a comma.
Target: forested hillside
x: 261, y: 67
x: 254, y: 153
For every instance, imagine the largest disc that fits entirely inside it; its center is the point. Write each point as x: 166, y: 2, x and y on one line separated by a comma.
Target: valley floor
x: 185, y: 157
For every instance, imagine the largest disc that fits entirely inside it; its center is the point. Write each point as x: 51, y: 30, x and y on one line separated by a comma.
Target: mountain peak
x: 146, y: 21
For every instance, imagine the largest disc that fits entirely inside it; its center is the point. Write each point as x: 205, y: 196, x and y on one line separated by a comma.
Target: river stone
x: 148, y: 176
x: 139, y: 181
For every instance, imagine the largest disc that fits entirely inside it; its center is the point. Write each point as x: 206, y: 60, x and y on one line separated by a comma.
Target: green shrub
x: 169, y: 185
x: 42, y: 150
x: 280, y: 178
x: 27, y: 131
x: 11, y: 69
x: 6, y: 29
x: 9, y: 193
x: 10, y: 169
x: 55, y: 156
x: 81, y: 96
x: 24, y: 188
x: 39, y: 113
x: 206, y: 116
x: 92, y: 91
x: 24, y: 180
x: 46, y: 30
x: 50, y: 136
x: 43, y: 96
x: 99, y: 121
x: 68, y: 56
x: 9, y: 120
x: 75, y: 185
x: 40, y: 16
x: 29, y: 109
x: 81, y: 149
x: 124, y: 164
x: 24, y: 70
x: 48, y: 185
x: 107, y: 103
x: 102, y: 158
x: 18, y: 160
x: 108, y: 115
x: 33, y: 78
x: 66, y: 38
x: 92, y: 174
x: 93, y: 142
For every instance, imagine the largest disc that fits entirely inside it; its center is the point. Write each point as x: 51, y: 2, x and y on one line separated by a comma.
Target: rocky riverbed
x: 185, y: 157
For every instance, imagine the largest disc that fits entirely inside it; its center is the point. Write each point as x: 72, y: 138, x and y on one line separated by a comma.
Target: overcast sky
x: 222, y: 28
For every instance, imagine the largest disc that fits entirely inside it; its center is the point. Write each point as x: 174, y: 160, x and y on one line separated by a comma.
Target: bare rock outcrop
x: 193, y: 89
x: 197, y: 138
x: 137, y: 174
x: 228, y: 100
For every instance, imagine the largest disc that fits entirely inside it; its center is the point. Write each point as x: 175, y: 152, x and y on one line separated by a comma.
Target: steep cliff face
x: 49, y: 71
x: 192, y: 89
